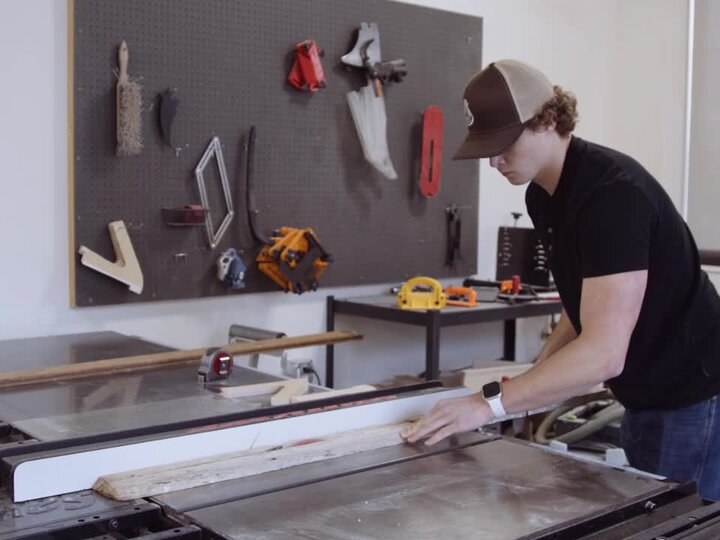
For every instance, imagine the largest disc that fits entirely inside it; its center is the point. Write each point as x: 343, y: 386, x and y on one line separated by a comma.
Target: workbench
x: 383, y: 307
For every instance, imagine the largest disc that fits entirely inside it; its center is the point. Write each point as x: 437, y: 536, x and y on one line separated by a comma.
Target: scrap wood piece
x: 189, y: 474
x: 333, y: 393
x: 486, y: 371
x: 290, y: 388
x: 132, y: 364
x: 492, y: 370
x: 282, y: 391
x: 126, y: 268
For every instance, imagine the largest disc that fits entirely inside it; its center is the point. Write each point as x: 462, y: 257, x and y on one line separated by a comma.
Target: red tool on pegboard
x: 432, y: 145
x: 307, y: 71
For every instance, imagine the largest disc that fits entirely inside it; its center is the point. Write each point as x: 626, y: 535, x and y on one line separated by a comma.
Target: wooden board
x: 128, y: 364
x: 289, y: 389
x: 333, y: 393
x: 282, y: 391
x: 487, y: 371
x: 34, y: 477
x: 218, y: 468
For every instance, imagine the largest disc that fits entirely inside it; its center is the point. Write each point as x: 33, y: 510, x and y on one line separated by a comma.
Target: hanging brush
x: 129, y: 105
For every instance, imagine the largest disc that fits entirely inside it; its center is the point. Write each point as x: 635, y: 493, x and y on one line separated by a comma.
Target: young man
x: 639, y: 313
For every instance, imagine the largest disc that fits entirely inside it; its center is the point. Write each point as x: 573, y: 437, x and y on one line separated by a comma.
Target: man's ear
x: 550, y: 124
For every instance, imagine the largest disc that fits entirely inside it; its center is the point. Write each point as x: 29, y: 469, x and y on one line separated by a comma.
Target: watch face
x: 491, y: 389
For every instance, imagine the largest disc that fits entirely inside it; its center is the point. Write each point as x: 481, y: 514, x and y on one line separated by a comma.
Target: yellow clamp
x: 409, y: 298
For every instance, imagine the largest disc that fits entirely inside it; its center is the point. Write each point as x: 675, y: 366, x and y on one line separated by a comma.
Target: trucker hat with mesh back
x: 498, y: 101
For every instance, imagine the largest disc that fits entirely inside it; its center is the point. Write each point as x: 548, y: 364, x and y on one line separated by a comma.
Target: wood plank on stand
x: 132, y: 364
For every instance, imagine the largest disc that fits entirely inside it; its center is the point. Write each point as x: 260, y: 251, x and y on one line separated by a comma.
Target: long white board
x: 55, y: 475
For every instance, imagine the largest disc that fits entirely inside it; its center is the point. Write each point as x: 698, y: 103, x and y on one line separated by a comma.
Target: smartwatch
x: 492, y: 392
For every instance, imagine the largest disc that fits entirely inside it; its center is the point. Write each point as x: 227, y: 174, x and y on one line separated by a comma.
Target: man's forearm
x: 570, y: 371
x: 609, y: 311
x: 562, y: 334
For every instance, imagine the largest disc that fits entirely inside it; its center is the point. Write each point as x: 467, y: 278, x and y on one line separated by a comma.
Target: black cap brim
x: 479, y: 144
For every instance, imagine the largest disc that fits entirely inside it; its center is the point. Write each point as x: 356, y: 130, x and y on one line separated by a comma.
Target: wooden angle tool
x: 126, y: 268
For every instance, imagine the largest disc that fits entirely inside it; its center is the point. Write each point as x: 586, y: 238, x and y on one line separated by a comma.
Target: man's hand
x: 450, y: 416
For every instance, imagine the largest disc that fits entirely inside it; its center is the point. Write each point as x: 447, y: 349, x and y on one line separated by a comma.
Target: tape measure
x: 428, y: 295
x: 215, y: 364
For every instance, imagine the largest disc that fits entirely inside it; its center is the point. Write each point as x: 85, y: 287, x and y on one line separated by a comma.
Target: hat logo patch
x: 469, y: 118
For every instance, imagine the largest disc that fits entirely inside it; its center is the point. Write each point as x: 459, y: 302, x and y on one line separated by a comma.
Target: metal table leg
x: 330, y: 349
x: 509, y: 339
x: 432, y: 345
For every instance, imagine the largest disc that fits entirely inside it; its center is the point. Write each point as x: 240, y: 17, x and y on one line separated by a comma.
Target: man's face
x: 525, y: 158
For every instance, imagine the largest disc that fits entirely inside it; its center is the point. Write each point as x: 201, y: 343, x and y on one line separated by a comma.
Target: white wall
x: 704, y: 189
x: 630, y: 86
x: 713, y: 273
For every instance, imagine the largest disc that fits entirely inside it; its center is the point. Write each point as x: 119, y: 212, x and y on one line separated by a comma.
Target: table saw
x: 478, y: 485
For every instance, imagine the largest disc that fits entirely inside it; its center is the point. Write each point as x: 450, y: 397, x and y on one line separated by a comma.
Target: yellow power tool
x: 294, y: 259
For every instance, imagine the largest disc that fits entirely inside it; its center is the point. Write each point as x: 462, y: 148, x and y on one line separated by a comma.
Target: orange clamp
x: 461, y: 296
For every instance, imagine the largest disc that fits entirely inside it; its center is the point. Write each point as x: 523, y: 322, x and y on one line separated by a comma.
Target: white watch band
x: 496, y: 406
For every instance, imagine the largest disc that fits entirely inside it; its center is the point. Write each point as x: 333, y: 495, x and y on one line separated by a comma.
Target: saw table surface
x: 493, y: 490
x: 104, y: 404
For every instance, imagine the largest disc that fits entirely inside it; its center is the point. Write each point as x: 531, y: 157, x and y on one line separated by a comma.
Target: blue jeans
x: 681, y: 444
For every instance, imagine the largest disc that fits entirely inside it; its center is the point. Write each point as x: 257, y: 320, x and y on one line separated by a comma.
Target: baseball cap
x: 498, y: 101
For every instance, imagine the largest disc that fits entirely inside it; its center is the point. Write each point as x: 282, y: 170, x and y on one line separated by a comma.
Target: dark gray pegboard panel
x: 228, y: 61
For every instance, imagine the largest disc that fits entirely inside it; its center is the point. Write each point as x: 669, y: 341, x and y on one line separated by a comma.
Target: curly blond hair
x: 561, y: 109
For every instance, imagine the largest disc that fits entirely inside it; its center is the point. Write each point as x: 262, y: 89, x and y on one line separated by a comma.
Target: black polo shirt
x: 608, y: 215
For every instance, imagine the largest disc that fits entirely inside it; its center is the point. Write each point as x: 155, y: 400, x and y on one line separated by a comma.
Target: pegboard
x: 228, y: 62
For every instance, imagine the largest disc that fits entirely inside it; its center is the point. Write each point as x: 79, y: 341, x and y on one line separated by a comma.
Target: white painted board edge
x: 56, y: 475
